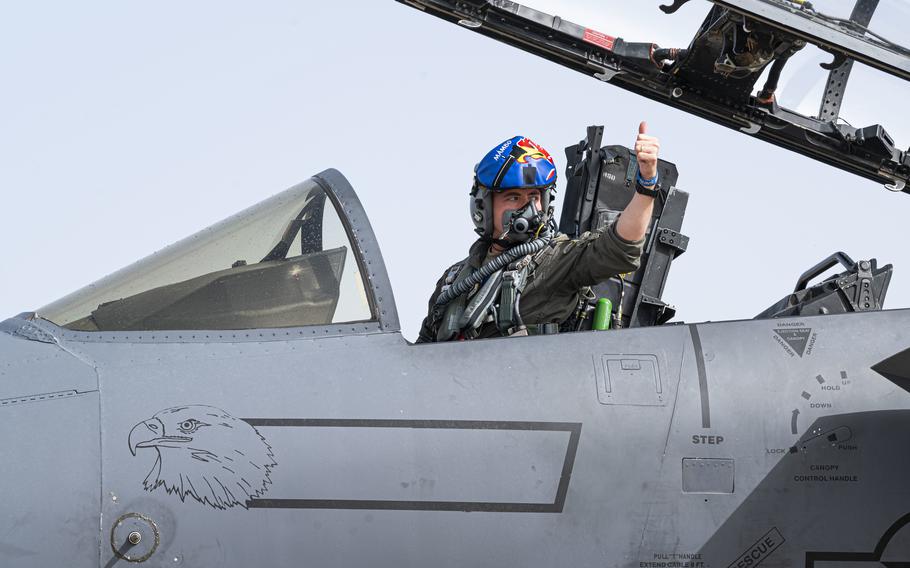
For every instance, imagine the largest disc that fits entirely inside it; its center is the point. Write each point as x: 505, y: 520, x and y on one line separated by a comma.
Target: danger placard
x: 598, y: 38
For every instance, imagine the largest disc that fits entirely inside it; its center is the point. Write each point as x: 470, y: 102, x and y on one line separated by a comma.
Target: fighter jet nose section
x: 49, y: 424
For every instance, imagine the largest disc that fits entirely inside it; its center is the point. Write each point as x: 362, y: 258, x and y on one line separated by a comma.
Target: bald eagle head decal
x: 204, y: 453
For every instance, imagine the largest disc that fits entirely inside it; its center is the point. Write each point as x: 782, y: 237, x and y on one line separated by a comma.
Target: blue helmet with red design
x: 517, y: 163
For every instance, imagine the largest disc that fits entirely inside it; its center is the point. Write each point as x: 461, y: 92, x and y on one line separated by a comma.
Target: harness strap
x: 513, y: 283
x: 446, y: 318
x: 550, y: 328
x: 479, y: 305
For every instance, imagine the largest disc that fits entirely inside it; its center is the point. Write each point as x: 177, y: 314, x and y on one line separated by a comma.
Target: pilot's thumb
x: 643, y: 128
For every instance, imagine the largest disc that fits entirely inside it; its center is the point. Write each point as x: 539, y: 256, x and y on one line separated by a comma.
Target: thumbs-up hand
x: 646, y: 148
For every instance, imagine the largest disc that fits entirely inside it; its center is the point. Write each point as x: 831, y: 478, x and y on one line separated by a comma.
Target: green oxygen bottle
x: 603, y: 314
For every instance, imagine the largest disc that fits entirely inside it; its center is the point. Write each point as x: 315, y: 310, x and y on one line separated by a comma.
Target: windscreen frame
x: 366, y: 252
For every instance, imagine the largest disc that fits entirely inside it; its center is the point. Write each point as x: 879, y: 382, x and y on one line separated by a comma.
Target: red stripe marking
x: 598, y: 38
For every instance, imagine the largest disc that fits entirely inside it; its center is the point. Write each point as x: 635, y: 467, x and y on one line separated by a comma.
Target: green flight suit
x: 559, y: 273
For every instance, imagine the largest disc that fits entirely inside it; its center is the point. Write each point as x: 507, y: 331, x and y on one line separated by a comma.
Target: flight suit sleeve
x: 594, y: 257
x: 427, y: 332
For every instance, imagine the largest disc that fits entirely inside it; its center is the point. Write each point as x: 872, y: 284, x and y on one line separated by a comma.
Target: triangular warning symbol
x: 797, y: 338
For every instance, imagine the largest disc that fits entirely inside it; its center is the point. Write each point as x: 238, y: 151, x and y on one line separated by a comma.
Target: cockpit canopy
x: 286, y: 262
x: 736, y: 68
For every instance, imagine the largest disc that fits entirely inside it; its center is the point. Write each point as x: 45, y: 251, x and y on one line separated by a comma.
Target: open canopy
x: 729, y: 72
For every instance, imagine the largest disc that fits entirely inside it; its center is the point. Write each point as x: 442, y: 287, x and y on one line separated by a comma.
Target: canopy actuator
x: 860, y: 288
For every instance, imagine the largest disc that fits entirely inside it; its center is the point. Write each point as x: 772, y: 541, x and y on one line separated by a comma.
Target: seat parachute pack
x: 600, y: 182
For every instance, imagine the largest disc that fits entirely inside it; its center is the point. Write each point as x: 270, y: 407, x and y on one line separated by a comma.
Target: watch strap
x: 653, y: 191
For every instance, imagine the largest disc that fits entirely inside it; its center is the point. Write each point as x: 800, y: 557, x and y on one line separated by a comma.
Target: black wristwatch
x: 653, y: 191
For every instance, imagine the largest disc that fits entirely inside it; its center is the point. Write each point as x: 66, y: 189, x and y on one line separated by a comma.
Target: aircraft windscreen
x: 285, y: 262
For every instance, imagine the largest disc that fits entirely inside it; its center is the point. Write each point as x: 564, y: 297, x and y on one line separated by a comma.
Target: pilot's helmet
x: 517, y: 163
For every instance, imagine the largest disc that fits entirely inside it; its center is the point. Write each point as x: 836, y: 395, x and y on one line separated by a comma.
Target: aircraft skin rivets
x: 134, y: 538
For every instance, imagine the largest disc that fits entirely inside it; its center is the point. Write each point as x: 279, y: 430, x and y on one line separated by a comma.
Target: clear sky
x: 126, y: 126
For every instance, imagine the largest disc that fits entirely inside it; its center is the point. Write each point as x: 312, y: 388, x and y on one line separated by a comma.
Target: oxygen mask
x: 523, y: 224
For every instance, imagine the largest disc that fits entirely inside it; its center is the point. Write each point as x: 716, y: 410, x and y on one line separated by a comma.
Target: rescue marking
x: 759, y: 551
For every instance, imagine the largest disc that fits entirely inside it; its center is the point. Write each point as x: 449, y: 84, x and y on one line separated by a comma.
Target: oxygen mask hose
x: 500, y: 261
